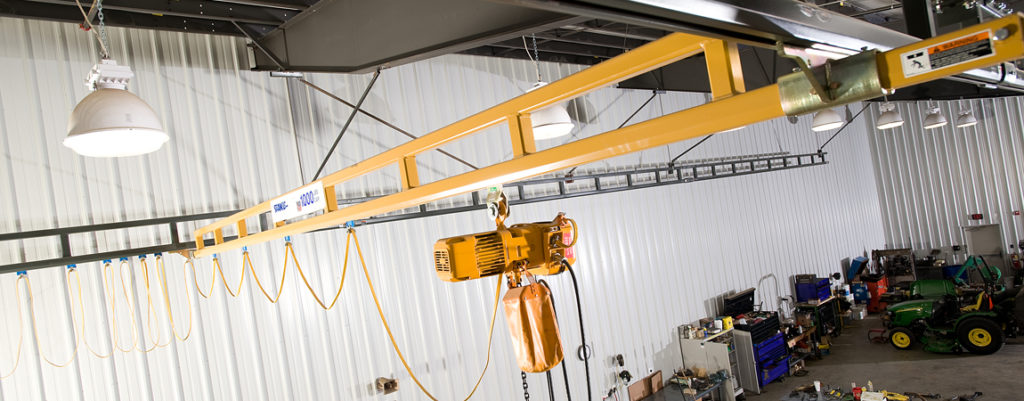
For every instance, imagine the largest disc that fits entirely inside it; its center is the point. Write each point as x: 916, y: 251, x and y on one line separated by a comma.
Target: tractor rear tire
x: 979, y: 335
x: 901, y: 338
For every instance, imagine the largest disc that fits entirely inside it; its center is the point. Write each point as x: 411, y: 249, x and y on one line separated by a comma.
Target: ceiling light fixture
x: 934, y: 119
x: 966, y: 119
x: 550, y: 122
x: 826, y: 120
x: 111, y: 121
x: 890, y: 117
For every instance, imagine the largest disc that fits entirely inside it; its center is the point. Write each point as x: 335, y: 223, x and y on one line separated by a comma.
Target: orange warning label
x: 956, y: 51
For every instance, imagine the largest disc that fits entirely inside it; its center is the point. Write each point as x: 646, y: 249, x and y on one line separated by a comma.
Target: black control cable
x: 565, y: 373
x: 583, y: 337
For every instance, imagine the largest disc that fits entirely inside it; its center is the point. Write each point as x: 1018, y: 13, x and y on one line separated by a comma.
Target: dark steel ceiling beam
x: 270, y: 4
x: 191, y: 9
x: 63, y: 13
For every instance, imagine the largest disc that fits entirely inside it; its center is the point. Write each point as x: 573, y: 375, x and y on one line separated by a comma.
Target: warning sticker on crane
x: 957, y: 51
x: 300, y: 202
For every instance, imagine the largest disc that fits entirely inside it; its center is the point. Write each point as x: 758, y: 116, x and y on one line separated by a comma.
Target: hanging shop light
x: 934, y: 119
x: 550, y: 122
x: 890, y: 117
x: 826, y: 120
x: 553, y: 121
x: 966, y: 119
x: 111, y: 121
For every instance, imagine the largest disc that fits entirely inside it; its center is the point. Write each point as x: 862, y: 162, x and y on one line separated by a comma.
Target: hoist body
x: 540, y: 247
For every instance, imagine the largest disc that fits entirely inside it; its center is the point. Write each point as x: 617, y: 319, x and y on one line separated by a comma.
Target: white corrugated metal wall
x: 931, y: 181
x: 649, y: 261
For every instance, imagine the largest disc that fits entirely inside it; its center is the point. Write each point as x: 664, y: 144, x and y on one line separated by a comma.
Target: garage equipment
x: 972, y: 319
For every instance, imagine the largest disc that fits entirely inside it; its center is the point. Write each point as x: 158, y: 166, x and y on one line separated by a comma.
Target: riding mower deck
x: 975, y: 319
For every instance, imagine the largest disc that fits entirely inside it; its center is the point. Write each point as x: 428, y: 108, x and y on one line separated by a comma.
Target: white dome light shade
x: 966, y: 119
x: 550, y: 122
x: 890, y: 118
x: 934, y: 119
x: 114, y: 123
x: 826, y: 120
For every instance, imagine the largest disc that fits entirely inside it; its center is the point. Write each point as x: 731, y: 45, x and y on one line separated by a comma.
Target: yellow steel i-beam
x: 659, y: 53
x: 732, y: 112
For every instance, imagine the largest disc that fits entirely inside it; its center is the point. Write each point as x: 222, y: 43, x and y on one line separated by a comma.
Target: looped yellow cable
x: 213, y: 278
x: 21, y: 328
x: 35, y: 331
x: 81, y: 314
x: 167, y: 298
x: 344, y: 269
x: 394, y: 344
x: 241, y: 278
x: 280, y: 288
x: 151, y: 315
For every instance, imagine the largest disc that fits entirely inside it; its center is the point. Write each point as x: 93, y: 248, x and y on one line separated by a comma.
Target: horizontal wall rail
x: 522, y: 192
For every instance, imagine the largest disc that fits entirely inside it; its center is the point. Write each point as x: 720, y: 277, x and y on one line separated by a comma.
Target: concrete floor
x: 854, y: 359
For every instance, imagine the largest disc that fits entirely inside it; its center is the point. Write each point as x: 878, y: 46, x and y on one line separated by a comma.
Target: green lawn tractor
x: 948, y: 318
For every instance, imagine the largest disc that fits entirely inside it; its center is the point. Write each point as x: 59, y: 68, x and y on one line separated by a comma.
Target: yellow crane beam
x: 980, y: 46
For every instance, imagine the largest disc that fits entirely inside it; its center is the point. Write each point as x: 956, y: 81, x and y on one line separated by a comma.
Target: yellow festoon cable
x: 21, y: 327
x: 151, y: 315
x: 35, y: 330
x: 284, y: 271
x: 167, y: 299
x: 290, y: 250
x: 241, y: 277
x: 81, y: 313
x: 213, y: 278
x: 129, y: 297
x: 490, y: 334
x: 108, y: 286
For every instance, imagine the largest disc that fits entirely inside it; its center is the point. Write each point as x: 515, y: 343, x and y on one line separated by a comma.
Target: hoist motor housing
x: 540, y: 245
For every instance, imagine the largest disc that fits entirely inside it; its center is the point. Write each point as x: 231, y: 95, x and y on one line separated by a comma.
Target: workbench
x: 826, y: 317
x: 674, y: 392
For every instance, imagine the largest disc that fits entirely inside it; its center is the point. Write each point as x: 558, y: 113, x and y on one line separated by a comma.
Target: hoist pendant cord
x: 344, y: 269
x: 35, y: 331
x: 81, y: 314
x: 256, y: 278
x: 21, y: 329
x: 167, y: 299
x: 565, y: 372
x: 380, y: 312
x: 579, y: 311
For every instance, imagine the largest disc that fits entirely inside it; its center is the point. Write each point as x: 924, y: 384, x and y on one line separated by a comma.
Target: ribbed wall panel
x: 931, y: 181
x: 649, y: 260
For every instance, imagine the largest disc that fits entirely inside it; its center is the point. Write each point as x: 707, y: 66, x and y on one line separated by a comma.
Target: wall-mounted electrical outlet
x: 386, y: 385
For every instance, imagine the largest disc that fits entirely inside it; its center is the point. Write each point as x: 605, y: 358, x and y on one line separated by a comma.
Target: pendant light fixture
x: 111, y: 121
x: 890, y: 117
x: 550, y: 122
x: 934, y: 119
x: 826, y: 120
x: 965, y: 118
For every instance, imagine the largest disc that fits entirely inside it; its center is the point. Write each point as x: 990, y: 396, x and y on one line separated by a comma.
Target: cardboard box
x: 656, y: 382
x: 639, y: 390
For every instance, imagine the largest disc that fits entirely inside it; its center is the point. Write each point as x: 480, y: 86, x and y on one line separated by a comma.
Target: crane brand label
x: 957, y: 51
x: 300, y: 202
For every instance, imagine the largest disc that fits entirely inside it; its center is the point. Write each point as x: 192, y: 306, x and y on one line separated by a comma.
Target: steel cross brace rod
x: 1003, y: 36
